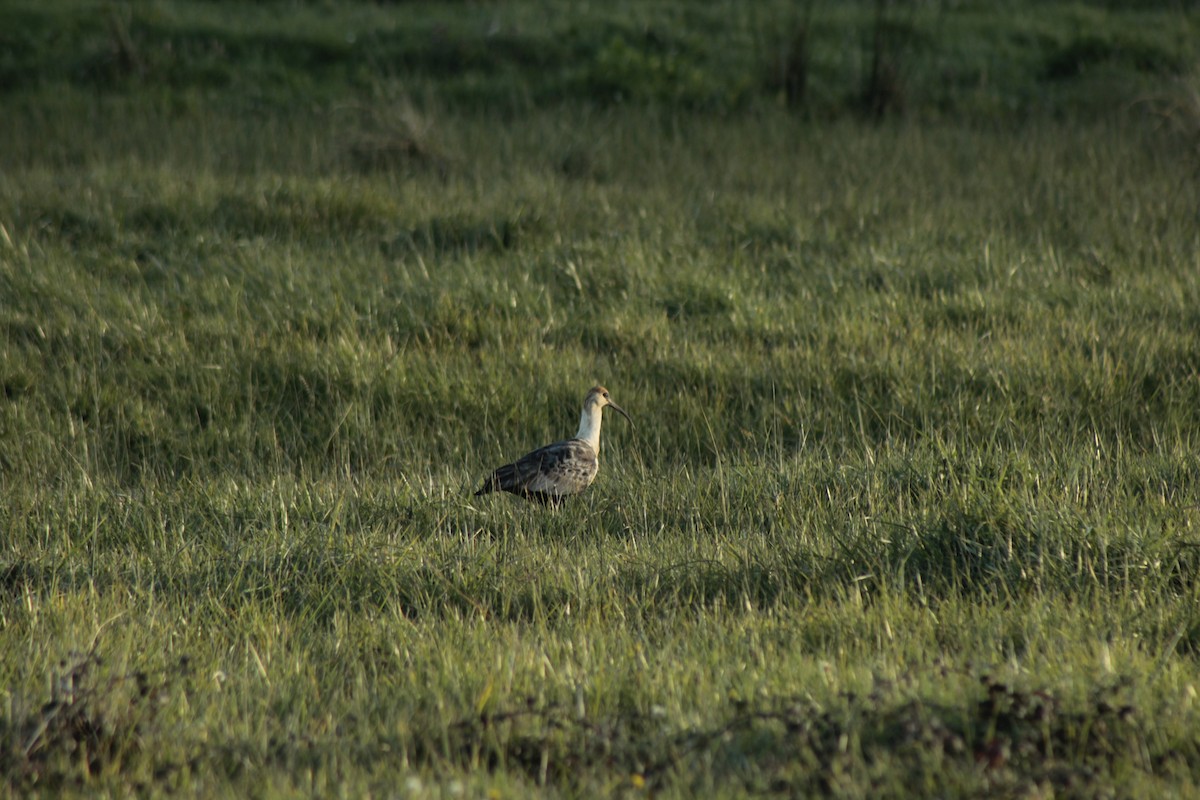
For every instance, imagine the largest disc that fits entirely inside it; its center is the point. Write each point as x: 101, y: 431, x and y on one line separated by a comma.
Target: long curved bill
x: 620, y: 411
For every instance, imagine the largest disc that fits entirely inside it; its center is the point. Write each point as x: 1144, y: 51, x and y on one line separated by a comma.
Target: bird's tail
x: 499, y: 480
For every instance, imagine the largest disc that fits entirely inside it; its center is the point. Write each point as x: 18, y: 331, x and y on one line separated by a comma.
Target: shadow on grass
x: 1000, y: 737
x: 95, y: 722
x: 325, y: 574
x: 984, y: 553
x: 999, y: 552
x: 463, y: 234
x: 995, y: 736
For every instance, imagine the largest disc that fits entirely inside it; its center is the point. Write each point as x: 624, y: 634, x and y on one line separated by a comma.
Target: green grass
x: 910, y: 506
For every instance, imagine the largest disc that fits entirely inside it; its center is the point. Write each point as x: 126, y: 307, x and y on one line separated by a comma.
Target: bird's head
x: 600, y: 398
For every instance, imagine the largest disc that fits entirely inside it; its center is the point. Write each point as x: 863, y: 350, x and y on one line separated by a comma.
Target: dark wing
x: 548, y: 473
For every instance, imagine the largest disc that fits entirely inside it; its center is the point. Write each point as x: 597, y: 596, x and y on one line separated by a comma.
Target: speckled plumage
x: 556, y: 471
x: 547, y: 474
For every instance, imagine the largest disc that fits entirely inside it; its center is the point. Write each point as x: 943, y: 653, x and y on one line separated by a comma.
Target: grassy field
x: 911, y: 505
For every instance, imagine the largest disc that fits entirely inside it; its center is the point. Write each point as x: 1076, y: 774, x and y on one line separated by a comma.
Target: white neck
x: 589, y: 426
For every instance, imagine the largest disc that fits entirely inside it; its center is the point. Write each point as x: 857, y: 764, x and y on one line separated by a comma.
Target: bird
x: 552, y: 473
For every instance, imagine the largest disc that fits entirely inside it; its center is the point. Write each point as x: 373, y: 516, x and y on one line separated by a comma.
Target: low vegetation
x: 902, y: 299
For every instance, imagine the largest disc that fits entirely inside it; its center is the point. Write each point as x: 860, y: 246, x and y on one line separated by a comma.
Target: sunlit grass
x: 909, y: 506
